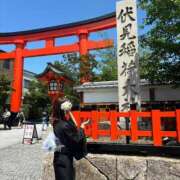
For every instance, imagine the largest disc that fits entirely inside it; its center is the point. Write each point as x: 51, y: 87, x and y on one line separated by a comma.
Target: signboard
x: 127, y: 54
x: 30, y: 132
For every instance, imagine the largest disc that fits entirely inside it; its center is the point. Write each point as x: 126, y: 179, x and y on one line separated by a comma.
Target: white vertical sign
x: 127, y: 54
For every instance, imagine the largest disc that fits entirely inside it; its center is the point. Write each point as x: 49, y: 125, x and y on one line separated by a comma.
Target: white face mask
x: 66, y: 106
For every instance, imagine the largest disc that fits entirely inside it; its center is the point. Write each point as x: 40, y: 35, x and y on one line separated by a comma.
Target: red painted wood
x: 156, y: 128
x: 88, y: 132
x: 178, y: 124
x: 16, y: 95
x: 143, y: 114
x: 134, y: 126
x: 123, y: 114
x: 104, y: 116
x: 168, y: 114
x: 50, y: 43
x: 62, y: 32
x: 104, y: 132
x: 168, y: 133
x: 124, y: 133
x: 7, y: 55
x: 113, y: 121
x: 76, y: 115
x: 115, y: 133
x: 83, y: 42
x: 145, y: 133
x: 95, y: 125
x: 93, y: 45
x: 51, y: 51
x: 49, y: 35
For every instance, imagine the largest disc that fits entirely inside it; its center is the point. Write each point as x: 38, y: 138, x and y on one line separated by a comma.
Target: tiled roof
x: 55, y: 70
x: 107, y: 84
x: 101, y: 84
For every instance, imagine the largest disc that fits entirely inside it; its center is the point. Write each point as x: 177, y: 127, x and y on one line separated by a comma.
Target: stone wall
x: 111, y: 167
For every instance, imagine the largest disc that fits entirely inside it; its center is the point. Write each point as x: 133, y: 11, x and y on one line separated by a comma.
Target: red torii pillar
x: 83, y: 50
x: 16, y: 95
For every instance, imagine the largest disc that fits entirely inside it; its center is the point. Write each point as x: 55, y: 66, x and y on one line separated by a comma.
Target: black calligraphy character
x: 126, y: 32
x: 130, y: 90
x: 131, y: 49
x: 131, y: 65
x: 128, y: 49
x: 125, y: 105
x: 128, y: 13
x: 124, y: 67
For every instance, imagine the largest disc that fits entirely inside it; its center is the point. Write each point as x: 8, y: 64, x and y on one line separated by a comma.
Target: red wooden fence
x: 155, y: 116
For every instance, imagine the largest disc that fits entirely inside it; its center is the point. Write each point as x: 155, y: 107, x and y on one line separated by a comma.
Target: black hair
x: 57, y: 112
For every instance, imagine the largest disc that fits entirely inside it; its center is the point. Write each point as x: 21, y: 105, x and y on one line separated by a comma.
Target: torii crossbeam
x: 81, y: 29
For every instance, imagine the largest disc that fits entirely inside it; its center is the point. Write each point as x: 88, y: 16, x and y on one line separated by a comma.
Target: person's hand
x: 85, y: 123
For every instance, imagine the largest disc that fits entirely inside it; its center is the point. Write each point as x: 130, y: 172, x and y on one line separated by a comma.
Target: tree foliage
x: 5, y: 91
x: 107, y: 65
x: 101, y: 66
x: 71, y: 64
x: 160, y: 59
x: 36, y: 100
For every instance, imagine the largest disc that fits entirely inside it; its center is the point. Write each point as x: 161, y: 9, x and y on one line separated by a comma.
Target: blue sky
x: 18, y: 15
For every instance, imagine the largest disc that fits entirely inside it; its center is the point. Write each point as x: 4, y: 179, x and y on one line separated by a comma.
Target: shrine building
x: 104, y: 95
x: 55, y: 79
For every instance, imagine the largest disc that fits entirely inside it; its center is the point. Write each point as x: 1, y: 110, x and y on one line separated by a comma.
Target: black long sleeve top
x: 67, y: 133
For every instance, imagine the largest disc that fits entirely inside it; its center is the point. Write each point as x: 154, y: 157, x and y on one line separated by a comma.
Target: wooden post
x: 178, y: 124
x: 16, y: 96
x: 134, y: 125
x: 113, y: 120
x: 156, y: 127
x: 49, y: 43
x: 94, y: 125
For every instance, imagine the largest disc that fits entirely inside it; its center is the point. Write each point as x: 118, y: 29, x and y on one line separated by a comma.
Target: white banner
x: 127, y: 54
x: 28, y: 131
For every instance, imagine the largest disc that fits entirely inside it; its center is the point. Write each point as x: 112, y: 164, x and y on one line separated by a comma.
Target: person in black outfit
x: 68, y: 137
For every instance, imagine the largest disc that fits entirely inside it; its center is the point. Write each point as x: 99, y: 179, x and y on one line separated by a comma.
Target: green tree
x: 70, y: 64
x: 107, y: 65
x: 36, y: 100
x: 160, y: 60
x: 5, y: 91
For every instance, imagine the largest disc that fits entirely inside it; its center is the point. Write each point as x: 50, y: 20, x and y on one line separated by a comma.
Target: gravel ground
x: 21, y: 162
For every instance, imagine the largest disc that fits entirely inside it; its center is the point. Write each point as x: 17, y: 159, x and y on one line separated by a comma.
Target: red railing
x: 155, y: 116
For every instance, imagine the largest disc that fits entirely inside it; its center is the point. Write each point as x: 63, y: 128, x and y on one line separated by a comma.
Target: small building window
x: 6, y: 64
x: 53, y: 85
x: 26, y: 83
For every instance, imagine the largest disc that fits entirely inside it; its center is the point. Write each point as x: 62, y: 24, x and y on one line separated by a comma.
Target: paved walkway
x: 19, y: 161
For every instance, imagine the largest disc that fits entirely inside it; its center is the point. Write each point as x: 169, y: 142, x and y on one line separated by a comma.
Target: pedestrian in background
x: 45, y: 120
x: 21, y: 118
x: 6, y: 119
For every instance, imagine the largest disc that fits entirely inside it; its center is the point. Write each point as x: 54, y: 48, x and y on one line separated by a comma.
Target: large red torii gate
x: 81, y: 29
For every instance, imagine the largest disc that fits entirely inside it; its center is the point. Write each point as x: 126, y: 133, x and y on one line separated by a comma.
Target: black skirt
x: 63, y: 166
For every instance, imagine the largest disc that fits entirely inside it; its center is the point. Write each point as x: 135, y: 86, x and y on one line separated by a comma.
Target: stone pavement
x: 14, y: 136
x: 20, y: 161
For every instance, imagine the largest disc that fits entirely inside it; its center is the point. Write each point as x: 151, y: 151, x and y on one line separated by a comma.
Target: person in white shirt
x: 5, y: 117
